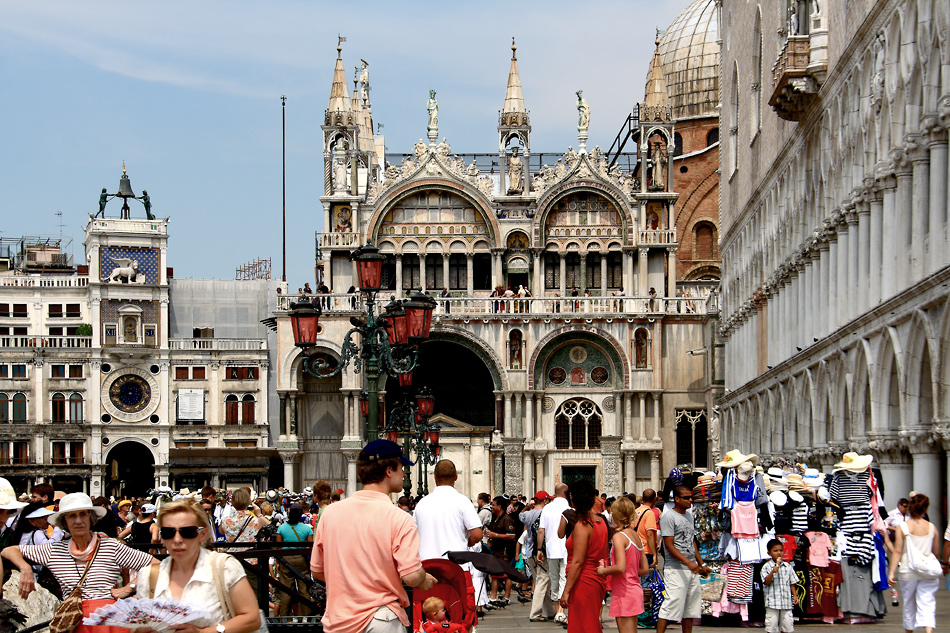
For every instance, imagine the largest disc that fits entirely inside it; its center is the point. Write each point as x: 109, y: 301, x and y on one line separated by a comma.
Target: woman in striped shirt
x: 68, y: 559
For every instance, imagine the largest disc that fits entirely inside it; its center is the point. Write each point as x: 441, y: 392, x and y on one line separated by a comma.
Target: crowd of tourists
x: 561, y: 554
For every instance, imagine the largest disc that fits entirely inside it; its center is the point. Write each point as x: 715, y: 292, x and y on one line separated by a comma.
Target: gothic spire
x: 514, y: 99
x: 339, y: 101
x: 656, y: 95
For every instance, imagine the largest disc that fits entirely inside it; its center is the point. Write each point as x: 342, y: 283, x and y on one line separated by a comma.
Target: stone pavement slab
x: 515, y: 618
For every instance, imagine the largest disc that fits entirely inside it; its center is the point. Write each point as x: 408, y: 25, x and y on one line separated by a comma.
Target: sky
x: 187, y: 94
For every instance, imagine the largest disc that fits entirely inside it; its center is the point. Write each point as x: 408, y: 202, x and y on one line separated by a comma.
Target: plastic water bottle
x: 894, y: 601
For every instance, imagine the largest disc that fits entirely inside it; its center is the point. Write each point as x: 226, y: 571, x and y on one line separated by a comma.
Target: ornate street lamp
x: 420, y: 439
x: 388, y: 343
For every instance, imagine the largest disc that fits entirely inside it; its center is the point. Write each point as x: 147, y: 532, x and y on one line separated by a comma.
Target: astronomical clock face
x: 130, y: 393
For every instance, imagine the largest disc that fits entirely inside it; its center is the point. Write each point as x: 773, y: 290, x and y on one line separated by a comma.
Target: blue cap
x: 383, y: 449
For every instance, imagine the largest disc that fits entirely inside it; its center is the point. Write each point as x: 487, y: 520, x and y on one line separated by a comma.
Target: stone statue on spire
x: 432, y: 107
x: 583, y: 112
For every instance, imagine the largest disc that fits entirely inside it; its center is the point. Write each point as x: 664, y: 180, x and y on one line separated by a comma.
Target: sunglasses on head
x: 187, y: 532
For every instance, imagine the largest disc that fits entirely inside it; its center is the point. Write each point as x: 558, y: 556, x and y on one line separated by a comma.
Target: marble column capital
x: 919, y: 439
x: 941, y: 432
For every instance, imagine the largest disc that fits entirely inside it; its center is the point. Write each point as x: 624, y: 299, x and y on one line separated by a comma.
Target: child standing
x: 628, y: 563
x: 436, y: 622
x: 779, y: 577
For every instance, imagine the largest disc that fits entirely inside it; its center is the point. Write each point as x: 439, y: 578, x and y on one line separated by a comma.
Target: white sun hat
x: 72, y: 502
x: 8, y: 499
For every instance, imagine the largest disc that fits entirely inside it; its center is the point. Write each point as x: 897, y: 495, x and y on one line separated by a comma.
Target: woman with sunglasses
x: 190, y: 574
x: 105, y: 557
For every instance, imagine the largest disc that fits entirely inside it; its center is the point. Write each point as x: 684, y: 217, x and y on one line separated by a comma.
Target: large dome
x: 689, y: 56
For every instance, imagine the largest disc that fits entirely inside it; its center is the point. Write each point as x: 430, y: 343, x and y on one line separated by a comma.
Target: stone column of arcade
x: 655, y: 469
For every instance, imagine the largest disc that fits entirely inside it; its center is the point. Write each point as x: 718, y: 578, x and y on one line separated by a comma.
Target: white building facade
x: 835, y: 235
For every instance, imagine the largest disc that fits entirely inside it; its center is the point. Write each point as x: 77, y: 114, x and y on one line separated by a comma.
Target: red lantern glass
x: 434, y: 436
x: 419, y: 315
x: 369, y: 267
x: 304, y: 318
x: 393, y: 436
x: 405, y: 380
x: 418, y: 417
x: 425, y: 436
x: 425, y: 402
x: 437, y: 450
x: 400, y: 329
x: 364, y: 404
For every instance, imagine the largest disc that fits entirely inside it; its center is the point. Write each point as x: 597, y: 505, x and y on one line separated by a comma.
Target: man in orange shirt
x: 646, y: 525
x: 365, y: 548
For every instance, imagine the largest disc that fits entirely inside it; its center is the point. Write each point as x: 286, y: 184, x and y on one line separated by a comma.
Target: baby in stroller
x: 449, y: 606
x: 436, y: 621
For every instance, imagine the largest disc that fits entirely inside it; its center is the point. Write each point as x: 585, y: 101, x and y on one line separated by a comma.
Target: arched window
x: 247, y: 409
x: 231, y: 410
x: 552, y: 271
x: 4, y: 408
x: 712, y: 137
x: 75, y: 408
x: 692, y: 437
x: 19, y: 409
x: 578, y: 424
x: 59, y: 408
x: 704, y: 241
x: 677, y: 144
x: 641, y: 346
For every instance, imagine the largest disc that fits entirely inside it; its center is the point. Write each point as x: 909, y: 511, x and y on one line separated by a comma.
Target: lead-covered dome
x: 689, y: 56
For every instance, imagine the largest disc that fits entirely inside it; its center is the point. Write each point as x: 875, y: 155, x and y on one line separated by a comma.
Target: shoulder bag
x: 922, y: 564
x: 69, y: 614
x: 224, y: 595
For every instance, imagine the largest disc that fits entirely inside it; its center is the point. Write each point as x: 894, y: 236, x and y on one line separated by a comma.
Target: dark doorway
x: 459, y: 380
x: 572, y: 474
x: 517, y: 279
x: 130, y: 470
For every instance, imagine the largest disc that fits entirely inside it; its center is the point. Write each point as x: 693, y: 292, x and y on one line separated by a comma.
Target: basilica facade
x: 576, y: 330
x: 835, y: 235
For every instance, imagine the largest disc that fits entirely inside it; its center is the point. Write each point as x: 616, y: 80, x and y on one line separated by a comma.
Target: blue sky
x: 188, y: 95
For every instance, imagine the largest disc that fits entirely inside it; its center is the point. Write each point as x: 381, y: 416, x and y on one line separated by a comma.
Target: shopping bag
x: 658, y: 594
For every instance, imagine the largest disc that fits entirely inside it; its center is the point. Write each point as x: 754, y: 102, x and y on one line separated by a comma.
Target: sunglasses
x: 187, y: 532
x: 689, y: 498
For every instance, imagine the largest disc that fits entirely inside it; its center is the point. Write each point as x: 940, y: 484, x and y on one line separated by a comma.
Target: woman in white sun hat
x: 9, y: 506
x: 105, y: 557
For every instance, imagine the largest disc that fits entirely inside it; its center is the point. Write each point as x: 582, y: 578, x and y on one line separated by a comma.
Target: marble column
x: 671, y: 274
x: 539, y: 474
x: 655, y: 469
x: 562, y: 257
x: 920, y: 220
x: 859, y: 240
x: 537, y: 281
x: 629, y: 472
x: 509, y: 423
x: 445, y: 270
x: 643, y: 417
x: 904, y: 225
x: 527, y: 486
x: 603, y: 274
x: 282, y: 409
x: 583, y: 285
x: 497, y: 274
x: 624, y: 409
x: 832, y: 305
x: 890, y: 240
x: 514, y: 476
x: 875, y: 240
x: 643, y: 285
x: 939, y: 184
x: 399, y: 291
x: 529, y: 432
x: 469, y: 274
x: 656, y: 417
x: 823, y: 283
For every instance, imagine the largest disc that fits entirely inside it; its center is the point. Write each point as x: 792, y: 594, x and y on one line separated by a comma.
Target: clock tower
x: 128, y: 294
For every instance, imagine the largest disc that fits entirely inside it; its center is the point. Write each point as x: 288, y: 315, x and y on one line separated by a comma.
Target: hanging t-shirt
x: 745, y: 490
x: 823, y: 594
x: 739, y: 583
x: 818, y: 551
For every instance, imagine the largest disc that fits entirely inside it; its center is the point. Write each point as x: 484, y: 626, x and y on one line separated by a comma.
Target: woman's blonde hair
x: 623, y: 512
x: 240, y: 499
x: 267, y: 509
x: 186, y: 506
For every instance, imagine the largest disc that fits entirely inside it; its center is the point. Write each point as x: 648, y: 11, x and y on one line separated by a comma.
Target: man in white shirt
x: 555, y: 548
x: 896, y: 516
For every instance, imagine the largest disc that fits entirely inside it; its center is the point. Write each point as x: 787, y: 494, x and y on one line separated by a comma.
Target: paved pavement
x: 515, y: 618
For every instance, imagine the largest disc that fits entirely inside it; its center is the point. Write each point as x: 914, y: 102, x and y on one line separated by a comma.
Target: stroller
x: 454, y: 588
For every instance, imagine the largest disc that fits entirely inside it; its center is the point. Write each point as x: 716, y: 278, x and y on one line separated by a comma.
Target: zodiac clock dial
x: 130, y: 393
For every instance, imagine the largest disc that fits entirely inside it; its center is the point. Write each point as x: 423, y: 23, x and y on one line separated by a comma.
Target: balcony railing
x: 693, y: 301
x: 65, y: 342
x: 659, y: 236
x: 218, y: 344
x: 46, y: 281
x: 338, y: 239
x: 583, y: 231
x: 792, y: 86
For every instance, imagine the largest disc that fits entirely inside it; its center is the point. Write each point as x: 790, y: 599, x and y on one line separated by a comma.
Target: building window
x: 19, y: 371
x: 231, y: 410
x: 75, y: 371
x: 641, y: 348
x: 58, y: 453
x: 712, y: 137
x: 4, y: 309
x: 691, y: 437
x: 593, y: 271
x: 388, y: 280
x: 481, y: 271
x: 17, y: 452
x: 4, y: 408
x: 181, y: 373
x: 573, y: 270
x: 241, y: 444
x: 20, y: 331
x: 458, y: 272
x: 19, y: 409
x: 197, y: 373
x: 410, y: 272
x: 59, y: 408
x: 615, y: 271
x: 19, y: 310
x: 247, y: 409
x: 704, y: 241
x: 577, y: 425
x: 434, y: 271
x: 677, y: 144
x: 241, y: 373
x: 55, y: 310
x: 73, y: 311
x: 75, y: 408
x: 58, y: 371
x: 67, y: 452
x: 552, y: 271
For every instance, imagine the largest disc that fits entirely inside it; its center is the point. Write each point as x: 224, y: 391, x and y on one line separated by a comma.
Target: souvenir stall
x: 830, y: 527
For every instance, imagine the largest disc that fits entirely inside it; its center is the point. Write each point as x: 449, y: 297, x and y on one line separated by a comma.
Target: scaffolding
x: 257, y: 269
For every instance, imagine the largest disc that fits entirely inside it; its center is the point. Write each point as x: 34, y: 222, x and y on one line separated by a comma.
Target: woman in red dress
x: 584, y: 590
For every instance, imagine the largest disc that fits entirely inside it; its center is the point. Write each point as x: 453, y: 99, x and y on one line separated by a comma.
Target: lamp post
x: 387, y: 344
x: 421, y: 439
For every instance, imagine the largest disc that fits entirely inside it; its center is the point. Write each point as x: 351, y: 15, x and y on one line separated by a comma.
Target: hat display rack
x: 829, y: 523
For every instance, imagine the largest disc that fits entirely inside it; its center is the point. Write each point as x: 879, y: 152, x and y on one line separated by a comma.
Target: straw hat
x: 72, y: 502
x: 735, y: 457
x: 8, y: 496
x: 854, y: 463
x: 795, y: 481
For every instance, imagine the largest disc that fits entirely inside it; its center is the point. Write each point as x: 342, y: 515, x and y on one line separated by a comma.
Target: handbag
x: 69, y: 614
x: 658, y: 594
x: 925, y: 565
x: 224, y: 596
